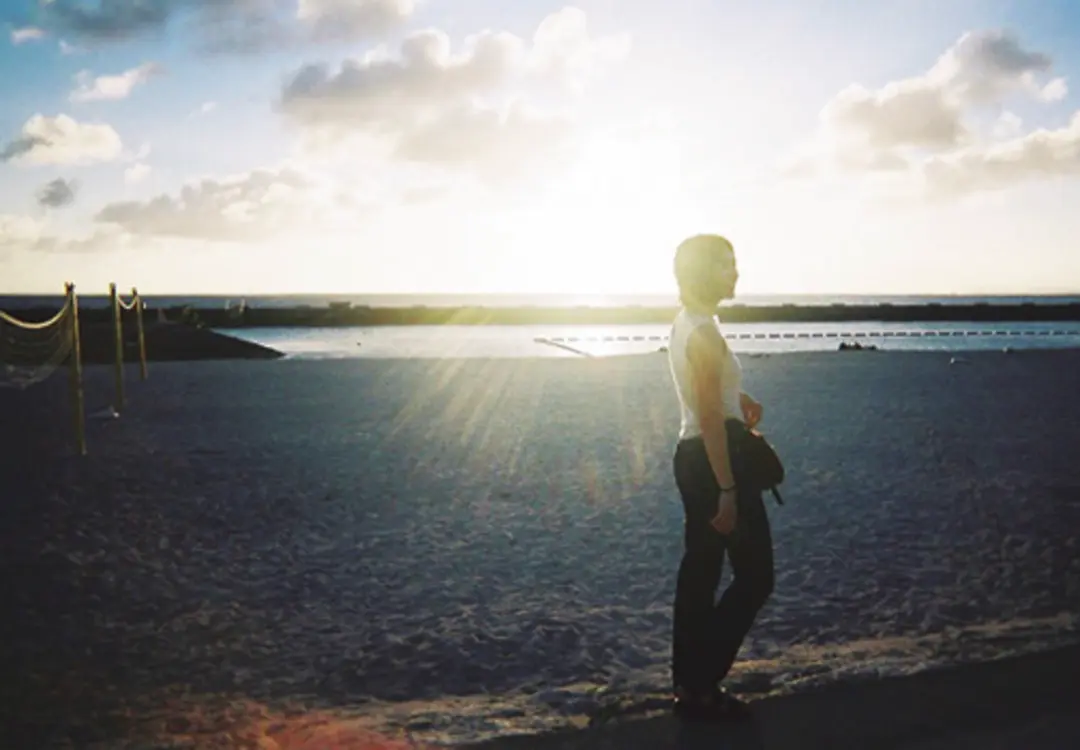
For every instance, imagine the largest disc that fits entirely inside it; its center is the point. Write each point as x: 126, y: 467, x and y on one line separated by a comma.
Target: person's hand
x: 751, y: 409
x: 726, y: 513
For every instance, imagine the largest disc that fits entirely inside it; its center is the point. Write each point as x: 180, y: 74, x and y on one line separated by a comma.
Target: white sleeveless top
x: 730, y: 377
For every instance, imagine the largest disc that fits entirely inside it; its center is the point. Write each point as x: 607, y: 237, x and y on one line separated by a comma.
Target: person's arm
x: 704, y: 352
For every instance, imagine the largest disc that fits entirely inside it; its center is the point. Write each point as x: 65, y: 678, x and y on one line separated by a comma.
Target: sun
x: 610, y: 224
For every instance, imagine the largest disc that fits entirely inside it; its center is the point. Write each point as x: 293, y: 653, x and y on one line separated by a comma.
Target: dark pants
x: 707, y: 635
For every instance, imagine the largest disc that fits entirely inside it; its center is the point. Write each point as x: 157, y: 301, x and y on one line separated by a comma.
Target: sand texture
x: 448, y: 551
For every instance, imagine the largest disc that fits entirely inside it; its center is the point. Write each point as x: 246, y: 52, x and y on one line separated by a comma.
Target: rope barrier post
x: 138, y: 302
x: 75, y: 370
x: 118, y: 333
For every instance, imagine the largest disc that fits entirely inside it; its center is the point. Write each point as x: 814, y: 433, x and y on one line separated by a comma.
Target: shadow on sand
x: 884, y: 713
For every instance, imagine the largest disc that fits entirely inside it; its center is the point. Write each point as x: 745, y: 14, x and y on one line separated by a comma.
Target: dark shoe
x: 732, y: 707
x: 716, y: 705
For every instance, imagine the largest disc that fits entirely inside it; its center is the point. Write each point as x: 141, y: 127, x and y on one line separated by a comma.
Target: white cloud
x: 496, y: 143
x: 911, y: 112
x: 142, y: 153
x: 446, y: 107
x: 1039, y: 154
x: 202, y: 110
x: 1054, y: 91
x: 25, y: 234
x: 563, y: 48
x: 983, y: 67
x: 136, y: 173
x: 114, y: 87
x: 1008, y: 125
x: 62, y: 140
x: 18, y: 229
x: 26, y: 34
x: 257, y: 205
x: 383, y: 92
x: 69, y: 49
x: 886, y: 128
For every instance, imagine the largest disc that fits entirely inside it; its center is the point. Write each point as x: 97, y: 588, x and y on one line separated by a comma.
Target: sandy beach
x: 453, y: 551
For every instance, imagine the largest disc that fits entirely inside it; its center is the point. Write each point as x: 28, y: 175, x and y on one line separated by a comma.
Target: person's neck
x: 700, y: 309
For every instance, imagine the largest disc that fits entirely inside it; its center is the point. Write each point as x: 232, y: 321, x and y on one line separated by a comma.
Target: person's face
x: 725, y: 273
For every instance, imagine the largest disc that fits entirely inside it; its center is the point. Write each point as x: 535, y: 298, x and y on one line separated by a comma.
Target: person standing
x: 720, y: 518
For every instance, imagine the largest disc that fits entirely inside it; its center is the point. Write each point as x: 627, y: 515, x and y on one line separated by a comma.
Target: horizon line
x: 548, y: 295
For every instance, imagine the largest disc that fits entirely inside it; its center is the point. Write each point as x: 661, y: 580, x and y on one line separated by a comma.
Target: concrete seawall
x: 167, y: 342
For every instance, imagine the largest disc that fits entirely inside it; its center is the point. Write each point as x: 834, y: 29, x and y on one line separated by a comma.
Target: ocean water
x: 15, y: 302
x: 614, y: 340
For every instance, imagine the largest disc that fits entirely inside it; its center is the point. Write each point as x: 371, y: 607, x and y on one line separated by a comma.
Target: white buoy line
x: 812, y: 335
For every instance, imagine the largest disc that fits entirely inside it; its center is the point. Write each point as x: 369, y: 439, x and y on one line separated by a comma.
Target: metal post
x: 75, y: 371
x: 118, y: 333
x: 142, y: 336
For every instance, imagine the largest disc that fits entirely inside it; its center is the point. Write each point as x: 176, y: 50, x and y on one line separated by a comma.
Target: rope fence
x: 119, y: 307
x: 31, y: 351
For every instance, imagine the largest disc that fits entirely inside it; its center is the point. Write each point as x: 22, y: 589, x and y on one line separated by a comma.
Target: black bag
x: 755, y: 458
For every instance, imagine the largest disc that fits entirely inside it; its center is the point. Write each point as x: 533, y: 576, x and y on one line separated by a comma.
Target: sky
x: 476, y: 146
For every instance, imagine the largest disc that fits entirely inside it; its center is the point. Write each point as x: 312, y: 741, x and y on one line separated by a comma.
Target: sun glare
x: 603, y: 229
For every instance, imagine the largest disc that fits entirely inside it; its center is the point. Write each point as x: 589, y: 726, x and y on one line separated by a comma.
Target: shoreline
x: 435, y: 343
x: 348, y: 315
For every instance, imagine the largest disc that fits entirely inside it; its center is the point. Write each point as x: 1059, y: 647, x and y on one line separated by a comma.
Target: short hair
x: 692, y: 259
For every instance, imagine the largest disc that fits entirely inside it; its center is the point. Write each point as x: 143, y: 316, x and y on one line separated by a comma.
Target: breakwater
x: 167, y: 342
